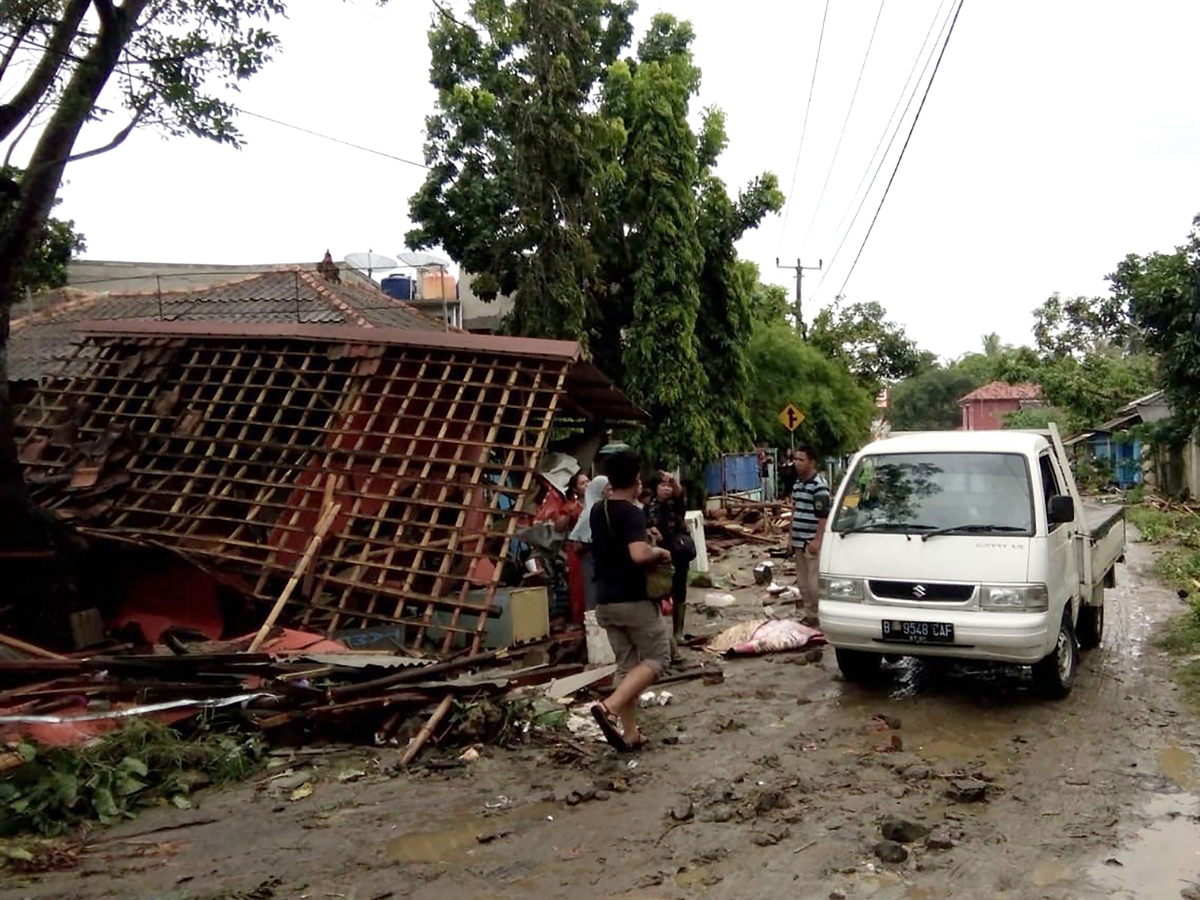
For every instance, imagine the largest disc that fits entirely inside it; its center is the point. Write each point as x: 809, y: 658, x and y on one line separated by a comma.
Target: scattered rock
x: 601, y: 796
x: 891, y: 852
x: 769, y: 800
x: 967, y: 791
x: 891, y: 721
x: 491, y: 836
x: 815, y: 655
x: 719, y: 813
x: 918, y: 773
x: 683, y: 811
x: 837, y: 895
x: 1190, y: 893
x: 898, y: 792
x: 651, y: 880
x: 902, y: 831
x: 772, y: 836
x: 670, y: 740
x: 702, y: 580
x: 939, y: 839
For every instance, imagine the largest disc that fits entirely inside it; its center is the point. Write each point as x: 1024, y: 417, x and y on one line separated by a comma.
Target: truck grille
x: 925, y: 591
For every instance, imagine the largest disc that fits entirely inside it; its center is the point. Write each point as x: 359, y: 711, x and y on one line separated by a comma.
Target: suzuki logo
x: 919, y: 592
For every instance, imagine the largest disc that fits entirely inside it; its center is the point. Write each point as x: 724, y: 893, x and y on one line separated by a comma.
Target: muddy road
x: 772, y: 785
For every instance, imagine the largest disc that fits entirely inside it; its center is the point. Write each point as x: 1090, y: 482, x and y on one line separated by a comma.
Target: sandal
x: 608, y: 725
x: 635, y: 745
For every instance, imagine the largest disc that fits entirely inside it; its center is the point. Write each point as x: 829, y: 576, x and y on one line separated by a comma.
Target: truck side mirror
x: 1060, y: 510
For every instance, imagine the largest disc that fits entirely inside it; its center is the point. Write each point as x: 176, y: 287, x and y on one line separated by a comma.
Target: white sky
x: 1059, y: 136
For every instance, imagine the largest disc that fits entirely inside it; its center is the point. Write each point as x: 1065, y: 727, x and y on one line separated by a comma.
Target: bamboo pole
x: 318, y: 535
x: 415, y: 745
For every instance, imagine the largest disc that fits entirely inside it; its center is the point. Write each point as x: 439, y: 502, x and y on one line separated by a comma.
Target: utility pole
x: 800, y: 270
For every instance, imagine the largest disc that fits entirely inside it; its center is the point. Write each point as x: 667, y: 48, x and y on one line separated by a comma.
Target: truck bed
x: 1104, y: 542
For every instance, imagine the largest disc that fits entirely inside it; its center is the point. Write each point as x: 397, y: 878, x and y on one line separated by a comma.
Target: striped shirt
x: 810, y: 504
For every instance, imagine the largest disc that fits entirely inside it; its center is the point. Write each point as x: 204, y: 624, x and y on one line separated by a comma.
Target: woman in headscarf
x: 581, y: 567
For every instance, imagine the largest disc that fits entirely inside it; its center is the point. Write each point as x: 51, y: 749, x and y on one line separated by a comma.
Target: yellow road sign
x: 791, y: 417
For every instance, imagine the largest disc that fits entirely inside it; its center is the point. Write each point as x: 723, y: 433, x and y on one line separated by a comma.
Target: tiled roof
x: 40, y: 342
x: 1002, y: 390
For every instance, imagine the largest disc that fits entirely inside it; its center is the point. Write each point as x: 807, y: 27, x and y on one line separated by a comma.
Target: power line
x: 803, y: 128
x: 904, y: 90
x: 900, y: 158
x: 854, y: 96
x: 142, y: 78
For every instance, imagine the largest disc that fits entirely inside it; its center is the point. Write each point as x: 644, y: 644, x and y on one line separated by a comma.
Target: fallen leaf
x: 305, y: 790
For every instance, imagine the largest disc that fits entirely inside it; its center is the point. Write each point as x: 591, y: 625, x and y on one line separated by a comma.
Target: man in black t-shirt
x: 634, y: 624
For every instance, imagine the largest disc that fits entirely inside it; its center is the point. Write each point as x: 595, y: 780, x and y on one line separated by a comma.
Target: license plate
x: 918, y: 632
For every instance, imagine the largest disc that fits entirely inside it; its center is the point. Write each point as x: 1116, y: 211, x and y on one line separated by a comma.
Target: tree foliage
x: 607, y: 176
x: 874, y: 349
x: 838, y: 411
x: 929, y: 401
x: 164, y: 64
x: 1162, y: 291
x: 46, y: 266
x: 1080, y: 326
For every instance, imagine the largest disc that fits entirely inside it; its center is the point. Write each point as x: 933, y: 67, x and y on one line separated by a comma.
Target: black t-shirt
x: 618, y: 578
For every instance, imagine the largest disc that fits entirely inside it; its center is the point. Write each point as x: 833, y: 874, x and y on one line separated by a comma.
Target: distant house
x: 481, y: 316
x: 984, y: 409
x: 1172, y: 470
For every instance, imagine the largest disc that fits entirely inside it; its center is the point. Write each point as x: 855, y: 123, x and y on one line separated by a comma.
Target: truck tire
x: 1090, y: 629
x: 1055, y: 675
x: 857, y: 665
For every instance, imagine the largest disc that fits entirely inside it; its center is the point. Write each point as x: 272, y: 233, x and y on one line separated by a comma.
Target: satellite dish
x: 422, y: 260
x: 370, y: 261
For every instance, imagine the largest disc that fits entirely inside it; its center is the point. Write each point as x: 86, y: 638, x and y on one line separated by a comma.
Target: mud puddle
x: 464, y: 836
x: 1162, y: 859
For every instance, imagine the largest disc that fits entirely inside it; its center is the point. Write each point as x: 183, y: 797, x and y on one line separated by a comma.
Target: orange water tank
x: 437, y: 284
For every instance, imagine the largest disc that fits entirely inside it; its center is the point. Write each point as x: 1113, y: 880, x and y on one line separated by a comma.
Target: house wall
x: 473, y: 307
x: 987, y: 415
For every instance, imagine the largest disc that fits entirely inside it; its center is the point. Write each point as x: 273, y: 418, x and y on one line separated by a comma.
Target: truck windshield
x: 974, y: 493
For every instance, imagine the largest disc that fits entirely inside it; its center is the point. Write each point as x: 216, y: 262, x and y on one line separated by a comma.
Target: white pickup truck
x: 972, y: 545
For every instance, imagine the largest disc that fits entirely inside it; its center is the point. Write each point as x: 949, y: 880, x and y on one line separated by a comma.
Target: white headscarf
x: 582, y: 531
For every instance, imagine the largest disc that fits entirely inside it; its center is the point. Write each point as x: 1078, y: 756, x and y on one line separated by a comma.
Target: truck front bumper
x: 1009, y: 637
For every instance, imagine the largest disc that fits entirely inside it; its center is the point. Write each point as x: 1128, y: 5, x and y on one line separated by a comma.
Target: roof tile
x: 43, y: 341
x: 1003, y: 390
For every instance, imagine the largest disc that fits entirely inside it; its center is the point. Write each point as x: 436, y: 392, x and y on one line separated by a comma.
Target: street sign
x: 791, y: 417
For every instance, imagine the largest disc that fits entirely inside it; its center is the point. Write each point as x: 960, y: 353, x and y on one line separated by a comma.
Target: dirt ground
x: 771, y: 785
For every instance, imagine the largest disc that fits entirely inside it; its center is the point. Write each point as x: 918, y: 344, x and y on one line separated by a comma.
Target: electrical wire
x: 787, y: 203
x: 854, y: 96
x: 892, y: 118
x: 900, y: 158
x: 238, y: 109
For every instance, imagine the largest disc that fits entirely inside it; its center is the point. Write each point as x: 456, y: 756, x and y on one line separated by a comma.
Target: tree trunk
x: 20, y: 523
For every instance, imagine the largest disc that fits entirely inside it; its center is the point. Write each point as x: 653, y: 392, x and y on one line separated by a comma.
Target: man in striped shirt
x: 810, y: 509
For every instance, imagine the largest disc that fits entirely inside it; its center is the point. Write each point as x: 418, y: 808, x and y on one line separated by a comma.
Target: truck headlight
x: 1016, y: 597
x: 848, y: 590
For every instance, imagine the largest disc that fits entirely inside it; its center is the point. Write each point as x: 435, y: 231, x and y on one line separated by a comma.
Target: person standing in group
x: 622, y: 555
x: 667, y: 525
x: 579, y: 541
x: 810, y: 509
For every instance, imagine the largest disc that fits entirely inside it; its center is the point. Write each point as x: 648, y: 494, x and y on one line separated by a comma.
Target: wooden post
x: 31, y: 649
x: 322, y: 527
x: 415, y: 745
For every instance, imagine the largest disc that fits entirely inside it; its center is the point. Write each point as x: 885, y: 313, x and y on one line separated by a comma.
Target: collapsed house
x: 401, y: 457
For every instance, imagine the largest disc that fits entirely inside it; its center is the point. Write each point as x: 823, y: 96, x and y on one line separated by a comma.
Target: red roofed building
x: 984, y: 409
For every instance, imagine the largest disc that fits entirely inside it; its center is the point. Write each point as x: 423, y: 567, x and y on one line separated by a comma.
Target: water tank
x: 399, y: 287
x: 437, y: 284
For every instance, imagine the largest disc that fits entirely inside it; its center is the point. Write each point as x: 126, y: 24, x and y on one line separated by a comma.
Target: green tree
x: 1079, y: 326
x: 658, y: 295
x: 1039, y: 418
x: 860, y: 336
x: 838, y: 411
x: 1162, y: 291
x: 46, y: 266
x: 929, y: 401
x: 162, y: 57
x: 518, y: 152
x: 663, y: 373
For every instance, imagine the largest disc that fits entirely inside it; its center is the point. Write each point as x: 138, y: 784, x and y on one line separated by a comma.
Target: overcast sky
x: 1059, y: 136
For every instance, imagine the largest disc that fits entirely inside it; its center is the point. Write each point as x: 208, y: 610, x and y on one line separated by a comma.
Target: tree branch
x: 18, y: 38
x: 117, y: 140
x: 57, y: 50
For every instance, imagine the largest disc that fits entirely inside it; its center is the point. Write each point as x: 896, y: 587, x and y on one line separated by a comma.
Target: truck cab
x: 968, y: 545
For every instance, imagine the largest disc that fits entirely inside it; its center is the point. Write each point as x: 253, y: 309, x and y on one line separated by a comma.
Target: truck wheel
x: 857, y: 665
x: 1055, y: 674
x: 1091, y: 626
